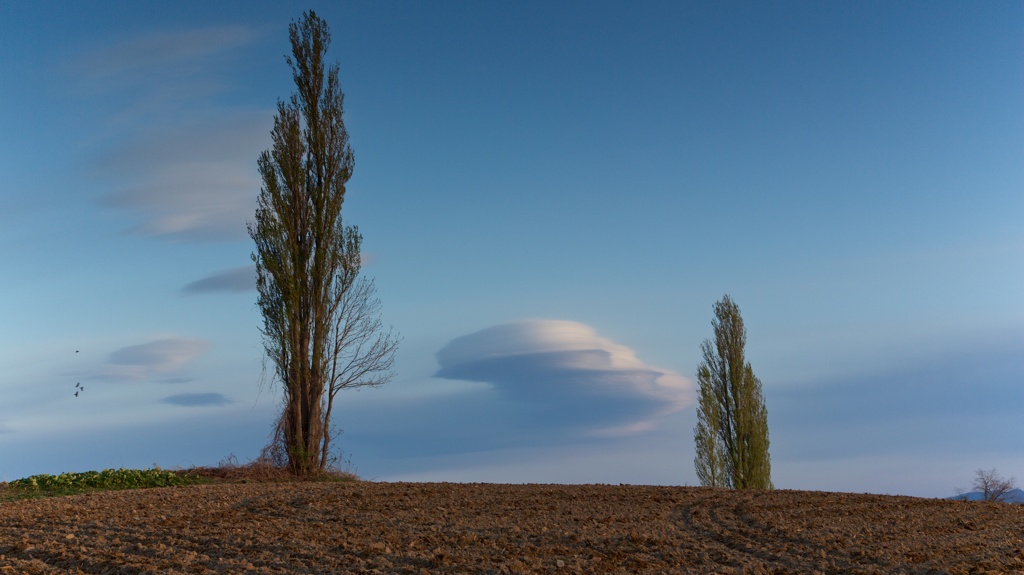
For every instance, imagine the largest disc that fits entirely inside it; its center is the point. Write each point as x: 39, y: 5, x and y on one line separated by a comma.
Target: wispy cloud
x: 240, y: 279
x: 956, y: 403
x: 161, y: 359
x: 197, y: 182
x: 196, y: 399
x: 574, y: 377
x: 233, y: 280
x: 184, y: 163
x: 161, y: 58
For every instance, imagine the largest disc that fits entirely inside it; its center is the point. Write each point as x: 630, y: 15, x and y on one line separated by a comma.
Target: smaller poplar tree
x: 731, y: 436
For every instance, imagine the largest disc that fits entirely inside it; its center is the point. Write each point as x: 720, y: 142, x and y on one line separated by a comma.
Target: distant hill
x: 1013, y: 496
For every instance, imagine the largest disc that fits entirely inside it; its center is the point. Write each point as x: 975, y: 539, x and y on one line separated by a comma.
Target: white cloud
x: 208, y: 200
x: 184, y: 166
x: 577, y: 377
x: 162, y: 57
x: 238, y: 279
x: 159, y: 359
x: 196, y: 182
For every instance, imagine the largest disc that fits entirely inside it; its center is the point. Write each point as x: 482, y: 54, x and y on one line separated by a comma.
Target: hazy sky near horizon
x: 552, y: 198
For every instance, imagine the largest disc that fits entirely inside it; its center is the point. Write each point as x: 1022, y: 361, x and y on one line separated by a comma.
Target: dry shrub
x: 269, y: 467
x: 272, y: 465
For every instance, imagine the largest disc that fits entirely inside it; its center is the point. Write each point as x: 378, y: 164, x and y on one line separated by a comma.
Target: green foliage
x: 108, y: 479
x: 710, y: 459
x: 731, y: 436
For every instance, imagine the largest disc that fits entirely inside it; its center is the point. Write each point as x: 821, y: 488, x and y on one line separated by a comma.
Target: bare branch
x: 992, y: 486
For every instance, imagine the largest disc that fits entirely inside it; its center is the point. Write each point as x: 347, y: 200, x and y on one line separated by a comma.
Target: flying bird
x: 79, y: 384
x: 76, y: 394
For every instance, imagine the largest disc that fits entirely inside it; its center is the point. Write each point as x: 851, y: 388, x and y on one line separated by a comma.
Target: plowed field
x: 364, y: 527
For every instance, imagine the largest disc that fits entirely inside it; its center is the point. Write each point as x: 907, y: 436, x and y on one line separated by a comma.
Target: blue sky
x: 552, y: 197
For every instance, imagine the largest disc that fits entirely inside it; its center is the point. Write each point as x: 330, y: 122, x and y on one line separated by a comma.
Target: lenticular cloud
x: 569, y: 374
x: 162, y: 359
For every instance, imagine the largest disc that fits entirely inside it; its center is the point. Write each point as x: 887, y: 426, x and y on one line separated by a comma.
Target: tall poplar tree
x: 731, y: 436
x: 321, y: 327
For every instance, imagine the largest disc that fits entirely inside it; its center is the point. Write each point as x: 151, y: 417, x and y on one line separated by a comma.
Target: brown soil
x: 362, y: 527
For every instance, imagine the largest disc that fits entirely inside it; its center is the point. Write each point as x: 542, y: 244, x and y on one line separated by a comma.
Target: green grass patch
x: 108, y: 479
